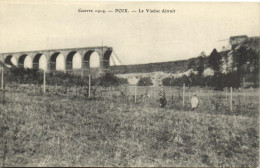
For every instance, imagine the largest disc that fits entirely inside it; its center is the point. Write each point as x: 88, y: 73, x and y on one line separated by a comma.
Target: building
x: 235, y: 40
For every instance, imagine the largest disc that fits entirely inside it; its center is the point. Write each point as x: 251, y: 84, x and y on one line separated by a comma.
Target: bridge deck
x: 62, y: 49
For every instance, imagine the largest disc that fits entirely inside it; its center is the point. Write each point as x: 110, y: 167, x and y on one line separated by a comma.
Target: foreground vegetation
x: 19, y: 75
x: 57, y: 130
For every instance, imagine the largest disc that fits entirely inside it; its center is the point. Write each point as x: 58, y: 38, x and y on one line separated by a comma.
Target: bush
x: 145, y: 82
x: 110, y: 79
x: 184, y: 79
x: 192, y: 80
x: 167, y: 81
x: 218, y: 81
x: 33, y: 76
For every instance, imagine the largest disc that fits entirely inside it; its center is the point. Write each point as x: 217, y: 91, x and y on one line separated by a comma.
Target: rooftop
x: 241, y: 36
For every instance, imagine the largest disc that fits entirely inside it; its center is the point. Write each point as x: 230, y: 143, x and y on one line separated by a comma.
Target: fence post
x: 89, y: 85
x: 244, y: 97
x: 183, y: 94
x: 226, y: 92
x: 189, y: 95
x: 154, y: 91
x: 2, y: 86
x: 208, y: 95
x: 44, y: 81
x: 231, y: 99
x: 2, y: 82
x: 172, y: 93
x: 135, y: 92
x: 244, y: 82
x: 82, y: 75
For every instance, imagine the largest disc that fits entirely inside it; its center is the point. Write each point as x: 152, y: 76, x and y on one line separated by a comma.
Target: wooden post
x: 172, y: 91
x: 2, y: 86
x: 82, y: 75
x: 135, y: 92
x: 226, y: 92
x: 2, y: 83
x: 244, y: 97
x: 208, y: 95
x: 44, y: 81
x: 244, y: 82
x: 89, y: 85
x: 183, y: 99
x: 189, y: 95
x: 231, y: 99
x: 152, y: 91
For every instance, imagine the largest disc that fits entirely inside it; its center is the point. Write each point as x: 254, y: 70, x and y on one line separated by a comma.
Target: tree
x: 192, y: 64
x: 194, y: 79
x: 201, y: 65
x: 214, y: 60
x: 243, y: 57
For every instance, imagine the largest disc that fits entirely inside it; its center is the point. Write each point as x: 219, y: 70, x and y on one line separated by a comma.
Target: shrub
x: 145, y: 82
x: 110, y: 79
x: 179, y: 81
x: 168, y: 81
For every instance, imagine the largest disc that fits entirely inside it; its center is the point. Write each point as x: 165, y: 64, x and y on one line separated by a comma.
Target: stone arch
x: 86, y: 59
x: 43, y: 62
x: 28, y: 62
x: 95, y: 60
x: 21, y: 60
x: 8, y: 60
x: 77, y: 61
x: 70, y: 60
x: 53, y: 60
x: 37, y: 61
x: 106, y: 59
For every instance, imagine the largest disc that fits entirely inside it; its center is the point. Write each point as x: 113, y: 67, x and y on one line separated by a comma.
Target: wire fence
x: 238, y: 101
x: 176, y: 96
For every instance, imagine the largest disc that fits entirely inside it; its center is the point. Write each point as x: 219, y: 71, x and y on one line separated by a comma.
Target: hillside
x: 242, y: 60
x: 181, y: 65
x: 171, y: 66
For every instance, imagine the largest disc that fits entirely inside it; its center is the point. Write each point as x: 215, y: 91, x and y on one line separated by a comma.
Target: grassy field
x: 57, y: 130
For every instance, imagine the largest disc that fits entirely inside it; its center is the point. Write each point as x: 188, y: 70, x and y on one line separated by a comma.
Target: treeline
x: 218, y: 81
x: 230, y: 69
x: 33, y: 76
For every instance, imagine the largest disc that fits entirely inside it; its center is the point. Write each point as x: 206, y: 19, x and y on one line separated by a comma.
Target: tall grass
x: 57, y: 130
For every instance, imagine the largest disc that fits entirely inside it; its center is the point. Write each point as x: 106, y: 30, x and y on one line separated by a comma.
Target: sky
x: 136, y: 38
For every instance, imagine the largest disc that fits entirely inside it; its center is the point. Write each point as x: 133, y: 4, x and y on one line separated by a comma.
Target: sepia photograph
x: 129, y: 83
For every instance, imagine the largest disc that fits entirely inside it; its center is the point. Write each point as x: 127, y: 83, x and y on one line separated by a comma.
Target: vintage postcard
x: 129, y: 84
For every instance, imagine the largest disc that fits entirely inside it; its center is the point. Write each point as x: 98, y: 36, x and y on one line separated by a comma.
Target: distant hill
x: 181, y: 65
x: 172, y: 66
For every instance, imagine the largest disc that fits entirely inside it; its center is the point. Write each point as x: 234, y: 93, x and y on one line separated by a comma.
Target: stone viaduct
x: 104, y: 53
